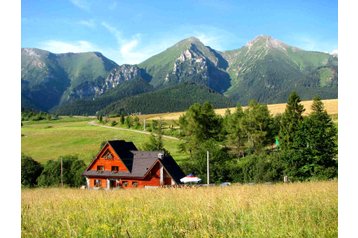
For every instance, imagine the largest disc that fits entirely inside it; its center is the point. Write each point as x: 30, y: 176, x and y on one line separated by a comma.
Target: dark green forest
x: 253, y: 146
x: 171, y: 99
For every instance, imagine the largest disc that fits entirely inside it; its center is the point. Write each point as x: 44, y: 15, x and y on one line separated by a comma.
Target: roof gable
x: 115, y: 150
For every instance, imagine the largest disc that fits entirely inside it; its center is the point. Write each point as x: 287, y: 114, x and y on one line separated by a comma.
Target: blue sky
x: 133, y: 30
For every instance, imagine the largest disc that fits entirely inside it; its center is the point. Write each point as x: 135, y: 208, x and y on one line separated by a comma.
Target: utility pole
x: 61, y: 173
x: 144, y: 124
x: 207, y: 167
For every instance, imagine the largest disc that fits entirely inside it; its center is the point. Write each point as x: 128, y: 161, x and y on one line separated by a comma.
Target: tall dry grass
x: 282, y: 210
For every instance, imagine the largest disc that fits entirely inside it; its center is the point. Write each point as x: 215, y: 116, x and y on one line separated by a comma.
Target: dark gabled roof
x: 173, y: 168
x: 123, y: 150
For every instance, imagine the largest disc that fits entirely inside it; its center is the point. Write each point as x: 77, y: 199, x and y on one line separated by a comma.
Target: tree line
x: 252, y: 145
x: 34, y: 174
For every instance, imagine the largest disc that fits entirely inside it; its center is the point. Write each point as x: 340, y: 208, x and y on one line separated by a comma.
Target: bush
x: 72, y: 171
x: 30, y: 171
x: 260, y: 168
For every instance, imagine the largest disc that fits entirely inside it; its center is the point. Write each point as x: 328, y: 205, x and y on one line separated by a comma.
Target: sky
x: 133, y: 30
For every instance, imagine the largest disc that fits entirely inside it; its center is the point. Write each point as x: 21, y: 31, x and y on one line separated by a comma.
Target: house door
x: 112, y: 183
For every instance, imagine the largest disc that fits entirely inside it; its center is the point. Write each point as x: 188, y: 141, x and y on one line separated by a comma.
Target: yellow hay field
x: 331, y: 105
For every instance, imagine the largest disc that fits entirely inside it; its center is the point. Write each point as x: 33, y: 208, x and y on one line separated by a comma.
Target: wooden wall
x: 152, y: 179
x: 108, y: 163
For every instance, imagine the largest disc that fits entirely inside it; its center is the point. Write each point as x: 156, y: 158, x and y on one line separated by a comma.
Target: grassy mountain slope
x: 176, y: 98
x: 47, y: 79
x: 188, y: 60
x: 43, y: 80
x: 268, y: 70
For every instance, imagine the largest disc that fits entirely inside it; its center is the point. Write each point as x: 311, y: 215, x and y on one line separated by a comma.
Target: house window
x: 114, y: 168
x: 108, y: 155
x: 135, y: 184
x: 100, y: 168
x: 98, y: 183
x: 125, y: 183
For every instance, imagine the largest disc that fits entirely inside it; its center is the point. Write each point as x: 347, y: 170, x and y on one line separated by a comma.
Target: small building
x: 119, y: 164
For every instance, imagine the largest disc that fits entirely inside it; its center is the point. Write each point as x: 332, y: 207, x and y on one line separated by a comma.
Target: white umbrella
x: 190, y: 178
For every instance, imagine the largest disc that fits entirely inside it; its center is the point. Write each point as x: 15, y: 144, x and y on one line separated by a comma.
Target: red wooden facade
x: 120, y: 165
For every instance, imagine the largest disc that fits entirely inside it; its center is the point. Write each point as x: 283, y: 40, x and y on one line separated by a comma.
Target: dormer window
x: 115, y: 169
x: 100, y: 168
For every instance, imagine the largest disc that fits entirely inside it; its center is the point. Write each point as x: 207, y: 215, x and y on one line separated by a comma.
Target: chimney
x: 160, y: 155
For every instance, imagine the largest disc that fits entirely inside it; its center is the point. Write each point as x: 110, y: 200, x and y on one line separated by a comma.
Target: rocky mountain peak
x: 189, y: 42
x: 267, y: 42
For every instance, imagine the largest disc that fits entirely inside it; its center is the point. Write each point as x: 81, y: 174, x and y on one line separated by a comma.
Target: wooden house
x: 120, y: 165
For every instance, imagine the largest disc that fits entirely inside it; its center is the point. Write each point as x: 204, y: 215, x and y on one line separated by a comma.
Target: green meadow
x: 45, y: 140
x: 307, y: 209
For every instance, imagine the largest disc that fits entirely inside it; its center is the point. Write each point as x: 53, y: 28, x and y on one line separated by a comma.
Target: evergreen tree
x: 122, y: 119
x: 321, y: 141
x: 128, y: 121
x: 198, y: 124
x: 236, y: 137
x: 291, y: 123
x: 136, y: 123
x: 257, y: 126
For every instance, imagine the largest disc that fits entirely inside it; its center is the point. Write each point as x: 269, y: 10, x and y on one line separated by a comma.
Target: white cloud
x: 82, y: 4
x: 128, y: 50
x: 136, y: 48
x: 56, y: 46
x: 116, y: 33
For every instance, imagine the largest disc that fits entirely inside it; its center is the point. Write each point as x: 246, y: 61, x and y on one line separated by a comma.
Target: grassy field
x: 281, y: 210
x: 45, y: 140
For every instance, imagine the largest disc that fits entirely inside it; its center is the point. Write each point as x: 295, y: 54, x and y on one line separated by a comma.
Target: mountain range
x: 265, y: 69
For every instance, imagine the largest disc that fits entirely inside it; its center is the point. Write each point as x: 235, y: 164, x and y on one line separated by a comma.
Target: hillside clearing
x: 47, y: 140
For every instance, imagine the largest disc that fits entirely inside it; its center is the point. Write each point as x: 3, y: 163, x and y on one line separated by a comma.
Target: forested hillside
x: 176, y: 98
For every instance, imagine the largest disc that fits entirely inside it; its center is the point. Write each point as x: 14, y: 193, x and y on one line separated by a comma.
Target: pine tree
x: 236, y: 137
x: 198, y: 124
x: 257, y: 125
x: 291, y: 122
x: 321, y: 140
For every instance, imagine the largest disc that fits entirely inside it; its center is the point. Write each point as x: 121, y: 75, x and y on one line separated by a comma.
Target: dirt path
x: 93, y: 123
